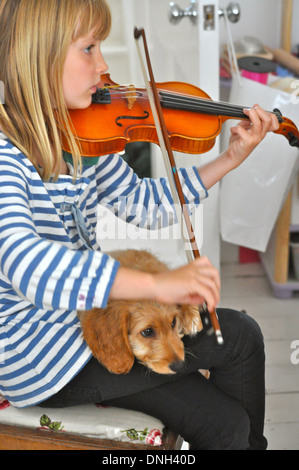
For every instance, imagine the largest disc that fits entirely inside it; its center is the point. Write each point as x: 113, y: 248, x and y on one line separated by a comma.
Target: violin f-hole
x: 120, y: 118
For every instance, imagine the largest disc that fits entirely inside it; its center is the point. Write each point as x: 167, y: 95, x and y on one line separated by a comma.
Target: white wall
x: 260, y: 19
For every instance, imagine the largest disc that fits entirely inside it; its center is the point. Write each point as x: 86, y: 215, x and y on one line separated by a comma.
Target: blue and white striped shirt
x: 47, y: 272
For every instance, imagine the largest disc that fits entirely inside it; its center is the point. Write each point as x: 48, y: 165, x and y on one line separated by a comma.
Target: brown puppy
x: 147, y: 330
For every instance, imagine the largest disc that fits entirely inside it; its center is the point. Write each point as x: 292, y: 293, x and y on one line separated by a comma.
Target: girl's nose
x: 102, y: 67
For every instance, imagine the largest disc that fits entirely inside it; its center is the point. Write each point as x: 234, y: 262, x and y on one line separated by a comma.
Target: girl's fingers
x: 204, y: 281
x: 262, y: 121
x: 194, y: 283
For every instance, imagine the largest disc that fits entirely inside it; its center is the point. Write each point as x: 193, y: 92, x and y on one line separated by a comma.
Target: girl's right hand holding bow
x: 194, y: 283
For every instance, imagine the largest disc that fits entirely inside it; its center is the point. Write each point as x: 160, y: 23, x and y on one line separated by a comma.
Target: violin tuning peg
x: 278, y: 114
x: 293, y: 140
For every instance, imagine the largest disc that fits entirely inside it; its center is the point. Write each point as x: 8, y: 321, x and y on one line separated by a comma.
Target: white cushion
x: 87, y: 420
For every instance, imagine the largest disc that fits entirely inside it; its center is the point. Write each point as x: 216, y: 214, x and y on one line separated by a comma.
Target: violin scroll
x: 287, y: 128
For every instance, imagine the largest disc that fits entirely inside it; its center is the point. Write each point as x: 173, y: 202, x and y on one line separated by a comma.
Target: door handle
x: 176, y: 13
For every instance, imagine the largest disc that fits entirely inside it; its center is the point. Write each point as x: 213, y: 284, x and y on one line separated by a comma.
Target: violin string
x: 126, y: 91
x: 188, y: 102
x: 185, y: 101
x: 201, y: 105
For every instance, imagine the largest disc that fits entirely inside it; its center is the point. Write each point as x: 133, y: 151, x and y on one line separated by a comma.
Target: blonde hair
x: 34, y: 39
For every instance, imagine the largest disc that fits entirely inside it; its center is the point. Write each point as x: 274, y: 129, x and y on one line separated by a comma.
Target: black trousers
x: 224, y: 412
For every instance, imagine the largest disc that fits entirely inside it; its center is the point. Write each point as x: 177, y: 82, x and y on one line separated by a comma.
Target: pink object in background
x: 256, y: 68
x: 257, y: 77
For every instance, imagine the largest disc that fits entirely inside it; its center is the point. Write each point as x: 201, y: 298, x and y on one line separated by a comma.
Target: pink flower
x: 154, y: 437
x: 4, y: 403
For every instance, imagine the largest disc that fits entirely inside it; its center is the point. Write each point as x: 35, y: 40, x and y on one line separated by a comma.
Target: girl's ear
x: 106, y: 333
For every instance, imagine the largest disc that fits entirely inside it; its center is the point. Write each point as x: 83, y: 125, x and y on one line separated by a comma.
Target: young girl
x: 52, y: 266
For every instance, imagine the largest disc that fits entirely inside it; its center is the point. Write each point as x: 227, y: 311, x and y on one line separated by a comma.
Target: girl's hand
x: 248, y: 134
x: 194, y: 283
x: 244, y: 138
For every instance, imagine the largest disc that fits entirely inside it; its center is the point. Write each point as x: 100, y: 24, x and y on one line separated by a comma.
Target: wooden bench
x: 87, y: 427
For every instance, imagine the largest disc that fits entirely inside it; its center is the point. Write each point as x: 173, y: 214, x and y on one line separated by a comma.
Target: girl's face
x: 82, y: 72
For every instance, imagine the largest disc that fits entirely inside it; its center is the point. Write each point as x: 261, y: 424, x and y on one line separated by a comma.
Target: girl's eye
x: 88, y: 49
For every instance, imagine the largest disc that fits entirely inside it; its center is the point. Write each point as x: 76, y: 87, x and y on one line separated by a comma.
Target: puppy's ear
x: 189, y: 320
x: 106, y: 333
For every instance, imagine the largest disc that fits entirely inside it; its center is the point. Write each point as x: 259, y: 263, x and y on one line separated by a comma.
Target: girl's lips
x: 93, y: 89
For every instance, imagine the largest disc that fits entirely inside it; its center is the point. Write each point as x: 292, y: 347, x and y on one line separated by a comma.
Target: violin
x: 121, y: 114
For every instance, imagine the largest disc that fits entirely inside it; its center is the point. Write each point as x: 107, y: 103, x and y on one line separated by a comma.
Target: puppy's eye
x: 148, y: 333
x: 173, y: 322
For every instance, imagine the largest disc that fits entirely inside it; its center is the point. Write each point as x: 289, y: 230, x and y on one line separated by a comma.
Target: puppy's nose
x: 176, y: 366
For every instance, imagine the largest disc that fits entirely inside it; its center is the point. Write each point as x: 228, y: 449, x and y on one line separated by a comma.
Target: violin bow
x: 209, y: 319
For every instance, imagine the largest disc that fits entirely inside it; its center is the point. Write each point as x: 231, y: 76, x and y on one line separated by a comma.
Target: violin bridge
x: 131, y: 96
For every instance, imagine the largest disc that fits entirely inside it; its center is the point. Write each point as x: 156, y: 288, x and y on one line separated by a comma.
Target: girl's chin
x: 82, y: 104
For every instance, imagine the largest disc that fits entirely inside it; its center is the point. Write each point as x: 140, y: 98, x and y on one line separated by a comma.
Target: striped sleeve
x: 145, y: 202
x: 46, y: 273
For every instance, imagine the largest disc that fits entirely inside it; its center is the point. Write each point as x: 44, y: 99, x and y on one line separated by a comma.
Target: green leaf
x: 45, y: 421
